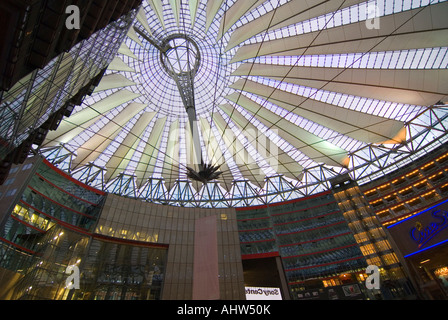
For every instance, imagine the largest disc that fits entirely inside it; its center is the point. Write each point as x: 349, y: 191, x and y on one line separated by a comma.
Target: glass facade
x: 52, y: 226
x: 48, y: 199
x: 400, y: 200
x: 128, y: 249
x: 125, y: 249
x: 312, y: 238
x: 31, y: 101
x: 108, y: 270
x: 373, y: 241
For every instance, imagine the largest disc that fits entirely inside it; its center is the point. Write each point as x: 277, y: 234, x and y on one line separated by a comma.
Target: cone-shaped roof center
x: 181, y: 56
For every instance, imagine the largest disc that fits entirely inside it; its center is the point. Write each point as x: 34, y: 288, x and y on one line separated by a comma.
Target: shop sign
x: 422, y: 231
x: 422, y: 234
x: 258, y: 293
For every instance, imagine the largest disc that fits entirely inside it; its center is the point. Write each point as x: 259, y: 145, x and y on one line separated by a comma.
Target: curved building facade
x: 317, y: 247
x: 124, y: 248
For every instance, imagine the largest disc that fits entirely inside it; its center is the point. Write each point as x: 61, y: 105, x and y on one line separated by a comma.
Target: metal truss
x: 425, y: 132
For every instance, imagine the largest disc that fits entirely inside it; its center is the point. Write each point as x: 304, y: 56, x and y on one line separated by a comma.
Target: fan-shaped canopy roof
x: 287, y: 94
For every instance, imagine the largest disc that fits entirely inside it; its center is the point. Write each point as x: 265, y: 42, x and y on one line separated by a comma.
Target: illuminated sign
x: 423, y: 234
x: 257, y: 293
x: 423, y: 231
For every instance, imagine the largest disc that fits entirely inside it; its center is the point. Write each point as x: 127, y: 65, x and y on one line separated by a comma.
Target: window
x: 10, y: 193
x: 27, y: 166
x: 9, y: 181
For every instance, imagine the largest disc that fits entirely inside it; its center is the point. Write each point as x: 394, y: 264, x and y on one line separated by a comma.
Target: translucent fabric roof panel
x: 287, y: 95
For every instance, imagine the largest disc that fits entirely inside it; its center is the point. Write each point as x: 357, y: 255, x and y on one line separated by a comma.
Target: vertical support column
x: 205, y: 267
x: 283, y: 280
x: 196, y: 142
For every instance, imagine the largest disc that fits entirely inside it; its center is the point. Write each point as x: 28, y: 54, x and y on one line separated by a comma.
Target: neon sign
x: 422, y: 235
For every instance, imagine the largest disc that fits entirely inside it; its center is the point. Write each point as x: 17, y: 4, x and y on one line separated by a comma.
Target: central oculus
x: 181, y: 56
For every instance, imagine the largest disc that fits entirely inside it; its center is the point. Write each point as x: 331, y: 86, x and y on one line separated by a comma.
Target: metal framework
x: 330, y: 92
x: 375, y: 161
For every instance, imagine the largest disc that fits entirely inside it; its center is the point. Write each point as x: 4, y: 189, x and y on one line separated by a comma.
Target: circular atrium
x: 224, y: 150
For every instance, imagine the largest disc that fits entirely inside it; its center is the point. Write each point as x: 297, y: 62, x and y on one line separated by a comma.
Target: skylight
x: 328, y: 88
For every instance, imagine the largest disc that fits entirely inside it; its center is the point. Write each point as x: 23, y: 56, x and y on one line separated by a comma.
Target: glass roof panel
x: 385, y: 74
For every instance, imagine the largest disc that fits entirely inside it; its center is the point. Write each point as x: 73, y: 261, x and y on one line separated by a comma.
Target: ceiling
x: 287, y: 95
